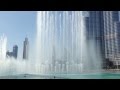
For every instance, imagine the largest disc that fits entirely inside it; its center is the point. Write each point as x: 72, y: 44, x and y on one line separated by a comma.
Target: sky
x: 16, y: 25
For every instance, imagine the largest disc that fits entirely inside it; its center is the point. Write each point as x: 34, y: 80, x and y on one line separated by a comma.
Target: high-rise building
x: 26, y: 49
x: 15, y: 51
x: 104, y: 28
x: 112, y: 34
x: 9, y: 54
x: 94, y: 31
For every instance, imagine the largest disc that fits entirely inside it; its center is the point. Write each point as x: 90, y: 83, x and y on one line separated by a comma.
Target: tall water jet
x: 3, y: 47
x: 61, y: 43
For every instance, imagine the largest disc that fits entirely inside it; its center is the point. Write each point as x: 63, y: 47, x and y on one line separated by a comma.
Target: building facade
x: 15, y: 51
x: 112, y: 35
x: 95, y: 32
x: 9, y: 54
x: 104, y: 28
x: 26, y: 49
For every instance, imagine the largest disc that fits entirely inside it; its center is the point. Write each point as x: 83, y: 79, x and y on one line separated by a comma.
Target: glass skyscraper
x: 15, y: 51
x: 94, y: 30
x: 104, y: 28
x: 112, y: 35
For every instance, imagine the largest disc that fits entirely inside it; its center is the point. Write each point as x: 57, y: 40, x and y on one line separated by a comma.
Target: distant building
x: 9, y: 54
x: 15, y: 51
x: 25, y: 48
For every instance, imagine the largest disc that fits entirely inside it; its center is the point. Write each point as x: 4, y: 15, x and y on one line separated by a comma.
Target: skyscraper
x: 9, y: 54
x: 15, y: 51
x: 111, y: 34
x: 94, y: 31
x: 104, y: 28
x: 26, y: 48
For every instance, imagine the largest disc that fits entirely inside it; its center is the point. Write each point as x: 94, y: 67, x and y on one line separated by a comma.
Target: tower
x: 111, y: 33
x: 15, y: 51
x: 25, y: 48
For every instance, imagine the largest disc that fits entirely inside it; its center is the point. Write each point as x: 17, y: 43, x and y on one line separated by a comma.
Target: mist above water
x: 62, y: 46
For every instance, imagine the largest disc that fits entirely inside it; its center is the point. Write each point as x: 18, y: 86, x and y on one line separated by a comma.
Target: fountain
x: 62, y: 47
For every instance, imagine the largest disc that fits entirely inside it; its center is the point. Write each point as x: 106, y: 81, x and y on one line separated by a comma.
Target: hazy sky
x: 16, y: 25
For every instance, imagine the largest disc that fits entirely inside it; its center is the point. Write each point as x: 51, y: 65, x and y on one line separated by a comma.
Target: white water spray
x: 61, y: 43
